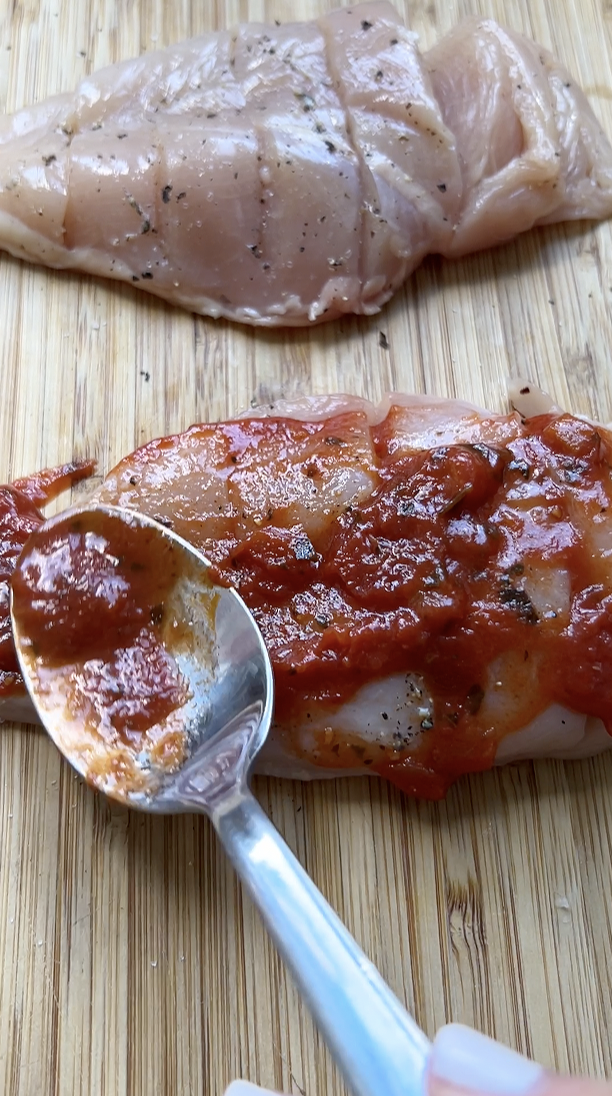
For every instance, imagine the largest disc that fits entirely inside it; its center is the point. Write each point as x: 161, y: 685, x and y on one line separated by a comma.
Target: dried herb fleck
x: 520, y: 602
x: 302, y: 547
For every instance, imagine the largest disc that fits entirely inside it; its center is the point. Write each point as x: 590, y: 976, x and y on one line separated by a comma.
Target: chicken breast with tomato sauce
x: 433, y: 582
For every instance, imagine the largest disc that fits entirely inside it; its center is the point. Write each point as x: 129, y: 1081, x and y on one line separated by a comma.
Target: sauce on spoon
x: 104, y: 624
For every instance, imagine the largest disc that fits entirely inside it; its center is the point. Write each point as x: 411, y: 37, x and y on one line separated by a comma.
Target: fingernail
x: 467, y: 1059
x: 245, y: 1088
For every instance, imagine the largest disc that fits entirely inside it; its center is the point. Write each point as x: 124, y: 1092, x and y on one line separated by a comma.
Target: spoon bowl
x: 210, y: 634
x: 154, y: 682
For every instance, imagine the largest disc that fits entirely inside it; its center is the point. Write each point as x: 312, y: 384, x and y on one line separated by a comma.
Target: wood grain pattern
x: 131, y: 963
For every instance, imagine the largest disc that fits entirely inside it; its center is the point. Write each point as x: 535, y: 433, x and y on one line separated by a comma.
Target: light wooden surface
x: 130, y: 962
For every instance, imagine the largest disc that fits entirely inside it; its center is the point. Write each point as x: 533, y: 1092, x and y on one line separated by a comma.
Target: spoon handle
x: 377, y: 1045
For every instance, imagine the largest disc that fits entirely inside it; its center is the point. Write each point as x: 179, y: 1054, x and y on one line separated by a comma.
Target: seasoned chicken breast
x: 289, y: 174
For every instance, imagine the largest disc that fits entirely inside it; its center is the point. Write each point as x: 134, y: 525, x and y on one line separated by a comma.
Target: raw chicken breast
x: 288, y: 174
x: 528, y: 144
x: 433, y: 582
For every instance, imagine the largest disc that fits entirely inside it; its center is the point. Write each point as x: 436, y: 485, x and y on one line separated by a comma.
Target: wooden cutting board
x: 131, y: 962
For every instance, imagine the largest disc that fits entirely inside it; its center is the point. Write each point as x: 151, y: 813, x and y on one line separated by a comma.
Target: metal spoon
x: 377, y: 1045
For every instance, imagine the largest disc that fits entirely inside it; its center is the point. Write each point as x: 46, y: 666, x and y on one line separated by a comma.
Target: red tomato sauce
x: 19, y: 517
x: 90, y: 596
x: 427, y: 577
